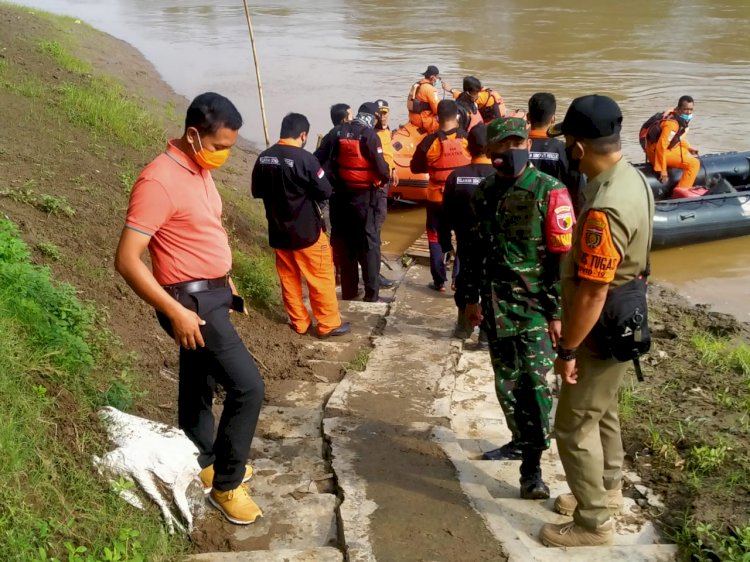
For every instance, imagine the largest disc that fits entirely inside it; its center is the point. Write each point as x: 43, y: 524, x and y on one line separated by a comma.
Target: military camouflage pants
x: 521, y: 364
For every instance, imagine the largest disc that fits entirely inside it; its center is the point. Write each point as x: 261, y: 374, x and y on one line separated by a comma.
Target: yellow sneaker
x: 207, y: 477
x: 570, y: 534
x: 236, y: 505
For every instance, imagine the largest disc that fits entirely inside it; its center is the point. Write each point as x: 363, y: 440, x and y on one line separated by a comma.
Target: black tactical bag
x: 622, y: 330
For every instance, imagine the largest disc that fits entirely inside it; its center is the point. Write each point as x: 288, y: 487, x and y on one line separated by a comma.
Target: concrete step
x: 324, y: 554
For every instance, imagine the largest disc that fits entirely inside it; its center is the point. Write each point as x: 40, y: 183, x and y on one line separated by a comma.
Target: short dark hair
x: 685, y: 99
x: 472, y: 84
x: 210, y: 112
x: 293, y: 125
x: 447, y: 109
x: 542, y: 107
x: 605, y: 145
x: 477, y: 139
x: 339, y: 111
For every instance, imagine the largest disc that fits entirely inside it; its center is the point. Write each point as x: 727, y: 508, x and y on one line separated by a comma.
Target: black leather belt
x: 188, y: 287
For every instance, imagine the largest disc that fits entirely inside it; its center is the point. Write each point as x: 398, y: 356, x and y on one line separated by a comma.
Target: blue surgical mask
x: 686, y: 116
x: 438, y: 84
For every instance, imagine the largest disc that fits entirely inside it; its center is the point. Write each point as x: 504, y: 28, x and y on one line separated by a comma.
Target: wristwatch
x: 565, y: 353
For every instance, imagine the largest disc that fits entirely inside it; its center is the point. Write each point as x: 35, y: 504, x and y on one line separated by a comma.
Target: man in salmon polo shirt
x: 175, y: 212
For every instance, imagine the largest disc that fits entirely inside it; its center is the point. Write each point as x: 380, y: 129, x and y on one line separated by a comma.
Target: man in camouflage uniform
x: 523, y: 222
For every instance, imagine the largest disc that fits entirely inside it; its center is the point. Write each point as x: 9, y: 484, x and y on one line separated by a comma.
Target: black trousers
x: 381, y: 208
x: 437, y: 267
x: 356, y: 240
x: 226, y: 361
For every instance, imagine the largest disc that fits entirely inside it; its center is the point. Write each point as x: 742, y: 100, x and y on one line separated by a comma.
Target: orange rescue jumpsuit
x: 662, y: 157
x: 427, y: 99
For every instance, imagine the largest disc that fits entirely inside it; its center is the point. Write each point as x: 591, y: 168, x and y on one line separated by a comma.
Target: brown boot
x: 566, y: 503
x: 236, y: 505
x: 571, y: 534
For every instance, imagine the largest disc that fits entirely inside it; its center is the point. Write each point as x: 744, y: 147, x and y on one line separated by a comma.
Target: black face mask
x: 573, y: 164
x: 511, y: 162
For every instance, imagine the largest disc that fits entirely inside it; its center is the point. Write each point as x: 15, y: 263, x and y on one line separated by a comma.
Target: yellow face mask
x: 209, y: 159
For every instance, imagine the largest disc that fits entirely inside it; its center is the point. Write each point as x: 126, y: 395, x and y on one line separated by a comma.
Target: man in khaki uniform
x: 610, y: 247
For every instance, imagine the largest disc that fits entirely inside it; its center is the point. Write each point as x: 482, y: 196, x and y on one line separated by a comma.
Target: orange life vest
x: 353, y: 168
x: 413, y: 104
x: 487, y: 101
x: 453, y: 154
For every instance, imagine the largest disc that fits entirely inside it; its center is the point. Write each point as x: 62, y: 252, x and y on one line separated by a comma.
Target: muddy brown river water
x: 644, y: 53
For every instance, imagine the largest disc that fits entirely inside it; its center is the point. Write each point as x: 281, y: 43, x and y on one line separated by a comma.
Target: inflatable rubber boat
x: 732, y: 166
x: 411, y: 187
x: 718, y: 207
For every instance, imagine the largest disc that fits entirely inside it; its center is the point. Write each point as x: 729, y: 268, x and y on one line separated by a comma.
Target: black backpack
x: 651, y: 130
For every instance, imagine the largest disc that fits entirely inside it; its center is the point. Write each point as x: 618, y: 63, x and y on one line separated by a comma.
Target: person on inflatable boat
x: 423, y: 100
x: 469, y: 116
x: 671, y: 150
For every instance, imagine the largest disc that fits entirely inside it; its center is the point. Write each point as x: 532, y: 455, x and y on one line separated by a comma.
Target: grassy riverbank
x: 75, y: 137
x: 687, y: 428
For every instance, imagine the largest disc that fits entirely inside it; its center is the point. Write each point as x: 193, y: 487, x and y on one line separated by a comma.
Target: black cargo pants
x: 226, y: 361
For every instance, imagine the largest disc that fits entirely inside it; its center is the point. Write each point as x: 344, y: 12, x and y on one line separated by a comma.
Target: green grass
x: 630, y: 402
x: 701, y: 542
x: 50, y: 204
x: 60, y: 55
x: 256, y: 279
x: 53, y: 205
x: 49, y: 250
x: 127, y: 176
x: 27, y: 87
x: 359, y: 363
x: 53, y: 504
x: 103, y: 107
x: 722, y: 354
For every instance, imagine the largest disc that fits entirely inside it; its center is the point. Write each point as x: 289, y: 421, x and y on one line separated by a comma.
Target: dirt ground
x: 686, y: 404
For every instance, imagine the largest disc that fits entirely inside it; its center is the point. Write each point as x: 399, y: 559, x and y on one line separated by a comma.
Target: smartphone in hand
x: 238, y: 304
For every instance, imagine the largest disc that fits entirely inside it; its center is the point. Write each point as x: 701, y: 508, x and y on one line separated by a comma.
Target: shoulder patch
x: 320, y: 174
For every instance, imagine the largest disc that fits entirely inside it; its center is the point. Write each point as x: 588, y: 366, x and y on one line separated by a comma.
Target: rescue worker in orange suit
x: 459, y: 189
x: 548, y: 154
x: 384, y: 132
x: 467, y: 103
x: 439, y: 154
x: 667, y: 153
x: 359, y: 168
x: 423, y: 100
x: 292, y: 185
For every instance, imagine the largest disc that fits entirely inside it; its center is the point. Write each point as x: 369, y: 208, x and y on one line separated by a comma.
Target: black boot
x: 532, y: 485
x: 508, y: 452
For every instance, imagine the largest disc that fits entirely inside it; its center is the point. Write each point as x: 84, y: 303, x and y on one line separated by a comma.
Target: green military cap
x: 505, y: 127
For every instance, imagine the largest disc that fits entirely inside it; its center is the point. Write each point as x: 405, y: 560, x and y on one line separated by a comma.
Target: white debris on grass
x: 156, y: 459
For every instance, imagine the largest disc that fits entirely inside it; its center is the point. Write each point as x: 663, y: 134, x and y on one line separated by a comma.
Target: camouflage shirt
x: 509, y: 263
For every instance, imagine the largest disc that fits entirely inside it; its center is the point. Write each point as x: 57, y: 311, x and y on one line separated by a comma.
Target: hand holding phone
x: 238, y: 304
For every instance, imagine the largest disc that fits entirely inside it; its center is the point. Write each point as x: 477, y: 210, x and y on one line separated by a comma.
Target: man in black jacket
x: 356, y: 161
x: 548, y: 154
x: 459, y: 189
x: 292, y: 184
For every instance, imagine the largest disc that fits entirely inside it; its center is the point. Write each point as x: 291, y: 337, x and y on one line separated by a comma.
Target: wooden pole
x: 257, y: 74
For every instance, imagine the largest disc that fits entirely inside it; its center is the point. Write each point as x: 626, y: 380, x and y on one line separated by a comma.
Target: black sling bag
x: 622, y: 330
